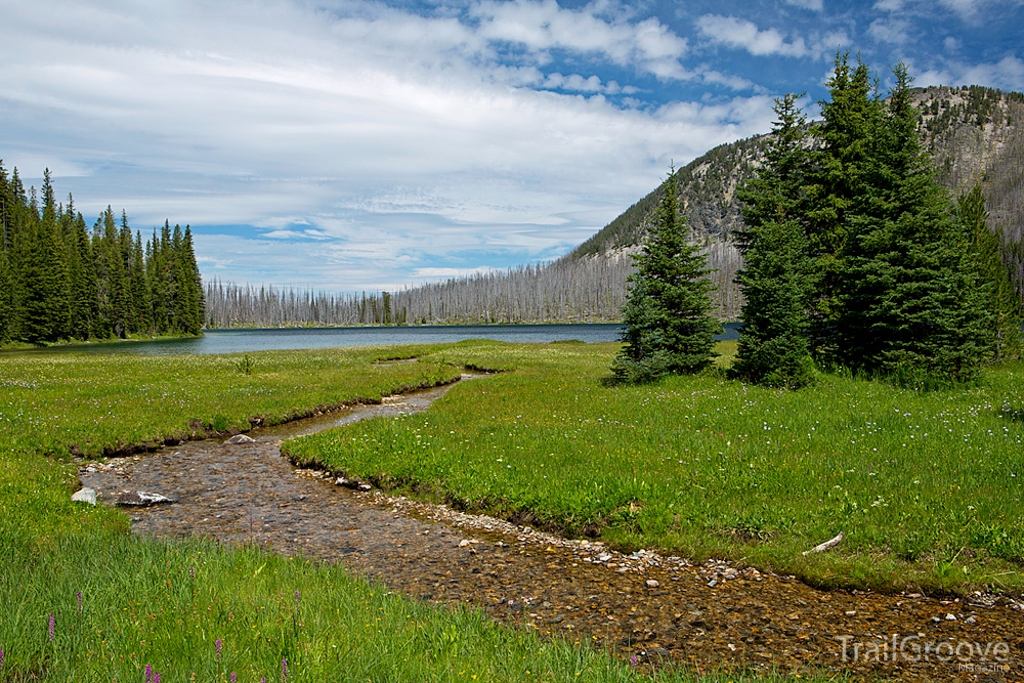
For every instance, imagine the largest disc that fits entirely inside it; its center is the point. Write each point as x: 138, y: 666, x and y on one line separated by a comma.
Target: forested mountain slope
x: 973, y: 133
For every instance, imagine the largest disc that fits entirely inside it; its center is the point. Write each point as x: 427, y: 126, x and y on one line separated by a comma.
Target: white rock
x: 141, y: 499
x: 651, y: 583
x: 240, y: 438
x: 463, y: 543
x: 950, y: 617
x: 85, y: 495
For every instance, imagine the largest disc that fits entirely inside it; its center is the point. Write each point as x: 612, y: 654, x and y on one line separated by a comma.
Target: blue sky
x: 355, y: 146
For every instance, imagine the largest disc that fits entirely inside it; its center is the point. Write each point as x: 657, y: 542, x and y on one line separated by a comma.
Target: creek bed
x: 643, y: 605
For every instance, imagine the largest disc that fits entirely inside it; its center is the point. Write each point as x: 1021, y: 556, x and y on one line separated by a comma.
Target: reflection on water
x: 242, y: 341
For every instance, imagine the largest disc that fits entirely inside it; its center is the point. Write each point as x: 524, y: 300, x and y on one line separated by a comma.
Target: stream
x: 643, y: 605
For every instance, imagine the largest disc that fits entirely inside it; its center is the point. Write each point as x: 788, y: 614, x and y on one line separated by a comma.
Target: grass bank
x: 83, y: 600
x: 926, y: 487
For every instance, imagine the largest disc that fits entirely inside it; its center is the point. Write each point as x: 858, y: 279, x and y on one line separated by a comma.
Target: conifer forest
x: 62, y: 281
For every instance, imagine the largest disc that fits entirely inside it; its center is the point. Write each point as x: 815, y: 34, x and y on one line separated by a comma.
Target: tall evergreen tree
x: 668, y: 312
x: 45, y: 308
x: 1003, y: 302
x: 836, y: 186
x: 911, y: 301
x: 774, y: 347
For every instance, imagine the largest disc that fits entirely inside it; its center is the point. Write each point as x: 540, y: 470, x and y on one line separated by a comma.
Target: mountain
x: 973, y: 134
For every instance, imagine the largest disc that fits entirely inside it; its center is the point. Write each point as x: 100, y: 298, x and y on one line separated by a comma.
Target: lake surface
x: 243, y: 341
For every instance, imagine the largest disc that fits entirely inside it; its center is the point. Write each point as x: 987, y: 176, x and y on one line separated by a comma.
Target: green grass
x: 926, y: 486
x: 142, y: 605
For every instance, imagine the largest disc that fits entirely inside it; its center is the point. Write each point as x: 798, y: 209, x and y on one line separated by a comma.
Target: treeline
x: 587, y: 290
x: 59, y: 280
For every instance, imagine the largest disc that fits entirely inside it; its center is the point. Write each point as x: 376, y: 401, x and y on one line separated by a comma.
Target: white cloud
x: 446, y: 273
x: 1006, y: 74
x: 544, y: 25
x: 889, y: 30
x: 815, y: 5
x: 742, y: 34
x: 351, y: 146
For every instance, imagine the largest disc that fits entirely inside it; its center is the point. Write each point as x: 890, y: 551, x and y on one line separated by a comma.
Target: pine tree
x: 1003, y: 302
x: 774, y: 349
x: 669, y: 326
x: 45, y: 306
x: 912, y: 301
x: 836, y: 187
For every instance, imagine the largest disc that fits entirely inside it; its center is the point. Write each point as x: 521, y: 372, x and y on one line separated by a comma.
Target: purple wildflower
x: 149, y: 673
x: 297, y: 594
x: 78, y: 595
x: 284, y: 669
x: 634, y: 661
x: 234, y: 677
x: 156, y: 677
x: 1, y: 657
x: 192, y: 572
x: 263, y: 679
x: 53, y: 627
x: 219, y: 644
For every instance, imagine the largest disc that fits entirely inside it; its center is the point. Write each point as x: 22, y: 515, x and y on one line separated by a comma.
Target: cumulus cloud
x: 742, y: 34
x: 351, y: 144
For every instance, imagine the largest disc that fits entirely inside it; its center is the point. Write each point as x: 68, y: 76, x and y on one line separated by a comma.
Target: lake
x: 247, y: 340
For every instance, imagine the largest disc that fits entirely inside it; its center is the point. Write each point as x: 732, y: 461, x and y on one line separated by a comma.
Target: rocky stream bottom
x: 654, y: 608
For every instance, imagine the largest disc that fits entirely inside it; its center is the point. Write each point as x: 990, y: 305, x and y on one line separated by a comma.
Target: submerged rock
x: 85, y: 495
x: 240, y: 438
x: 141, y: 499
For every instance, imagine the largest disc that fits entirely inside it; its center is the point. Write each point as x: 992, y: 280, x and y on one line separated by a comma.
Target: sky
x: 353, y: 146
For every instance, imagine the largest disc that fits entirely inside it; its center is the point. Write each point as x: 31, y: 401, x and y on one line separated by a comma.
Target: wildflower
x: 78, y: 595
x: 234, y: 677
x: 297, y: 594
x: 192, y: 572
x: 156, y: 677
x: 1, y: 657
x: 53, y: 627
x: 284, y: 669
x: 149, y: 673
x: 634, y: 661
x: 219, y: 644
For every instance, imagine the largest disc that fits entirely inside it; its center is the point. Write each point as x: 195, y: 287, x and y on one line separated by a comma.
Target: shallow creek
x: 641, y: 604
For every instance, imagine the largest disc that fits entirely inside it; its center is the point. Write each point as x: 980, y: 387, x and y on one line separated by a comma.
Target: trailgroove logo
x: 968, y: 656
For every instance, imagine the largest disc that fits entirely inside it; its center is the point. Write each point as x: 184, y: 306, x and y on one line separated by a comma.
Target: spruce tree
x: 912, y: 300
x: 669, y: 326
x: 1002, y: 301
x: 835, y: 189
x: 774, y: 349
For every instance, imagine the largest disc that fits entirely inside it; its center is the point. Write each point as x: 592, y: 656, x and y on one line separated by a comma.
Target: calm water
x: 240, y: 341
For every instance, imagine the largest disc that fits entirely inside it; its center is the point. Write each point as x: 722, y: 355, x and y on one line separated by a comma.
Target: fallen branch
x: 826, y: 545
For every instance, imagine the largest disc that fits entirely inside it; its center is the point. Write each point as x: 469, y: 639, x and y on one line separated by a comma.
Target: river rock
x: 652, y: 583
x: 141, y: 499
x: 240, y: 438
x: 84, y: 495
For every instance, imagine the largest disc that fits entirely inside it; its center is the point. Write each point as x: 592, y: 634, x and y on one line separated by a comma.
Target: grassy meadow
x: 83, y: 600
x: 927, y: 487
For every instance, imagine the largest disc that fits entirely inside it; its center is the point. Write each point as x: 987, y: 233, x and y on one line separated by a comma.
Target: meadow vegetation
x: 927, y: 486
x: 81, y: 599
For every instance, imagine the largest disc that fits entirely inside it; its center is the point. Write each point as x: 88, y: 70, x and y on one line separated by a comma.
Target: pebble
x: 970, y: 620
x: 240, y: 438
x: 950, y: 617
x: 651, y: 583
